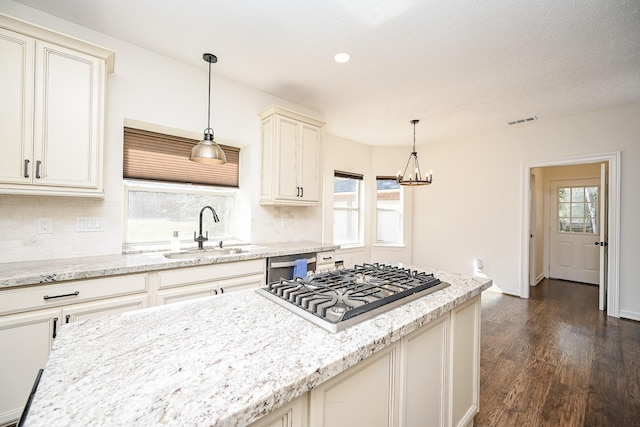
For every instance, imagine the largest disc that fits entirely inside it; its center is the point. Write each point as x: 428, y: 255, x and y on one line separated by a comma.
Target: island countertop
x: 221, y: 361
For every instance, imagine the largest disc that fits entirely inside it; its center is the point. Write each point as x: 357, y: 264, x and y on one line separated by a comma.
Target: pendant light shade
x: 413, y: 167
x: 208, y: 151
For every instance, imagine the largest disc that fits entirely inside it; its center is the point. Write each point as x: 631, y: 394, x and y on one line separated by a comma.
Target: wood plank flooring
x: 556, y: 360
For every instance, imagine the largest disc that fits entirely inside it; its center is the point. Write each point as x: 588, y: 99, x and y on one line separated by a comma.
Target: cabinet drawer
x: 325, y: 259
x: 207, y: 273
x: 64, y: 293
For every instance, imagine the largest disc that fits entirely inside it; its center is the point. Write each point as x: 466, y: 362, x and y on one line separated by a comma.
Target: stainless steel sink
x: 212, y: 252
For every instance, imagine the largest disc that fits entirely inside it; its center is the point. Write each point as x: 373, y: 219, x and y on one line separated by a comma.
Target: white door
x: 602, y: 243
x: 575, y: 228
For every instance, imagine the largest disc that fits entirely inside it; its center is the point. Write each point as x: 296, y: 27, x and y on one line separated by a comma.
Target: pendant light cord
x: 209, y: 105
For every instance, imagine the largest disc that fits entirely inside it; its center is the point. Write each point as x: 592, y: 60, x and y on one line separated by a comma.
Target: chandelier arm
x: 406, y: 167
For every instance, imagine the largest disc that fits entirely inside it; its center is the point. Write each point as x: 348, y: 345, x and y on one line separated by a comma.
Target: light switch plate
x: 88, y: 224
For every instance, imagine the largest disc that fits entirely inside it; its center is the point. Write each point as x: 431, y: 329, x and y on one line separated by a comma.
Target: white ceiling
x: 460, y: 66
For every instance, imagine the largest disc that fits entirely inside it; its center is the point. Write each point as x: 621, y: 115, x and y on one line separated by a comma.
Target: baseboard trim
x: 627, y: 314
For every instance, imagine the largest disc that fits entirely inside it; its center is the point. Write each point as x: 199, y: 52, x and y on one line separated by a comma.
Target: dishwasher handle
x: 290, y: 263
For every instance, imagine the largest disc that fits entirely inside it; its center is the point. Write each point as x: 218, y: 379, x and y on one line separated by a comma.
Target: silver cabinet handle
x: 38, y: 163
x: 26, y: 168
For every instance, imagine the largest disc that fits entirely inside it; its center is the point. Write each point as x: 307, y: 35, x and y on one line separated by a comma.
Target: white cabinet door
x: 293, y: 414
x: 465, y: 362
x: 240, y: 283
x: 364, y: 395
x: 309, y: 163
x: 102, y: 308
x: 68, y: 149
x: 26, y: 341
x: 425, y: 365
x: 185, y: 293
x: 287, y: 158
x: 16, y: 106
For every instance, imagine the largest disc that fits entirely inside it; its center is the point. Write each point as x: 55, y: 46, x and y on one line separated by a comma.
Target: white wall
x: 385, y: 162
x: 474, y: 207
x: 153, y: 89
x: 347, y: 156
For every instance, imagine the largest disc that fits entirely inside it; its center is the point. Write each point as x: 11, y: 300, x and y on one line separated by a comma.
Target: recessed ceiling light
x: 342, y: 57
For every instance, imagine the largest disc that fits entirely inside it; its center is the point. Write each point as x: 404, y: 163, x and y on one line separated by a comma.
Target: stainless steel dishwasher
x: 281, y: 267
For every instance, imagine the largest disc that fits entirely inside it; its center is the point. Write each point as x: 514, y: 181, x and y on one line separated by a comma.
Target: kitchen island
x: 222, y: 361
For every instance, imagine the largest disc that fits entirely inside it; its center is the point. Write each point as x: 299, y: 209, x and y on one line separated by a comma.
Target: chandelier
x: 415, y: 177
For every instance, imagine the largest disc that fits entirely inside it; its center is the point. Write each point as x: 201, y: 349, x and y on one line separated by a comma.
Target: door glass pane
x: 577, y: 225
x: 578, y: 210
x: 577, y: 194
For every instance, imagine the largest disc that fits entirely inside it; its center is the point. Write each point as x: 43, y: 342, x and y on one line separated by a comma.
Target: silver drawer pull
x: 325, y: 258
x: 73, y: 294
x: 291, y: 263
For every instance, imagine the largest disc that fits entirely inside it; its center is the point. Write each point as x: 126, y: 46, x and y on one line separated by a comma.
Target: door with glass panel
x: 576, y: 226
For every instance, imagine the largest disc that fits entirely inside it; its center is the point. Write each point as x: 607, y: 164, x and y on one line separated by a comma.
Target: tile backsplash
x: 20, y: 239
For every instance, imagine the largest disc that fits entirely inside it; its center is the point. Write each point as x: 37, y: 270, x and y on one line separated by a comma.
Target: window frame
x: 585, y: 206
x: 359, y: 178
x: 177, y: 188
x: 400, y: 210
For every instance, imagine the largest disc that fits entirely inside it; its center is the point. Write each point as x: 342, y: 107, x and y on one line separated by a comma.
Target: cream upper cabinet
x: 290, y: 158
x: 53, y: 113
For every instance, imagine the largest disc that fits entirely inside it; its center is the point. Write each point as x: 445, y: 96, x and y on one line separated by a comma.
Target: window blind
x: 349, y: 175
x: 159, y: 157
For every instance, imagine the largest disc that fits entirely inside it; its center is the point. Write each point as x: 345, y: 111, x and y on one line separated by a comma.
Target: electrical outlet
x: 45, y: 226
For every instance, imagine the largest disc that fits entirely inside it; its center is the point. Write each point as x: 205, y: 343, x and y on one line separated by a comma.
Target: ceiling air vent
x: 528, y: 119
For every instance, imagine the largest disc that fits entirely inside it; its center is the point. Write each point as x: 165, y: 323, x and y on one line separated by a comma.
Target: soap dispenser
x: 175, y: 242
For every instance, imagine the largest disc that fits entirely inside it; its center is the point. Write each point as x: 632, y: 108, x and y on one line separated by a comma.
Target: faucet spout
x: 201, y: 239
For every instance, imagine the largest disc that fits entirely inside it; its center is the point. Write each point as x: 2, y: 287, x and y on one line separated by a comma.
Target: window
x: 389, y: 210
x: 347, y: 215
x: 165, y: 191
x: 578, y: 210
x: 155, y: 210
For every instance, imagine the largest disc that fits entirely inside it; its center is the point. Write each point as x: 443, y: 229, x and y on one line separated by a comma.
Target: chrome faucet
x: 201, y: 239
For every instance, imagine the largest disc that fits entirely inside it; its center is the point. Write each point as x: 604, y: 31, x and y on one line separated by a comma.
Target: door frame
x: 613, y: 274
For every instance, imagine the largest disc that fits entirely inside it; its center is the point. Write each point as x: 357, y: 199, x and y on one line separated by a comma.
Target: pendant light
x: 416, y: 179
x: 208, y: 151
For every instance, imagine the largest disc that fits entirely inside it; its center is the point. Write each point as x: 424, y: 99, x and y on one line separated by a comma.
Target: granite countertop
x: 221, y: 361
x: 50, y: 271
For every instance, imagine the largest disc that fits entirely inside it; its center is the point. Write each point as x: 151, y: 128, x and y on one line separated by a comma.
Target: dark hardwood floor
x: 556, y: 360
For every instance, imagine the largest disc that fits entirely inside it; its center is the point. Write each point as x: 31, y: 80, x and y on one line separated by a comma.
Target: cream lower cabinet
x: 465, y: 363
x: 38, y: 315
x: 293, y: 414
x: 364, y: 395
x: 430, y: 378
x: 183, y: 284
x: 424, y: 372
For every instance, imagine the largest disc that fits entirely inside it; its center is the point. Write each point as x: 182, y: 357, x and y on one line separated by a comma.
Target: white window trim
x: 166, y: 187
x: 360, y: 210
x: 379, y: 243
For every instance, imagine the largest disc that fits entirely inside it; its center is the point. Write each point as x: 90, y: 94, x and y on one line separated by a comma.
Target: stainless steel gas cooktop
x: 340, y: 298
